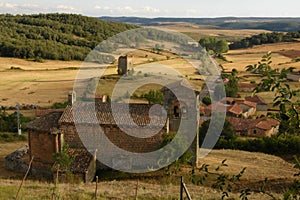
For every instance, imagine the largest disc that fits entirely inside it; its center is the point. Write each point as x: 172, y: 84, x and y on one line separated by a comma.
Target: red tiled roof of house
x: 236, y: 109
x: 105, y: 114
x: 230, y: 100
x: 267, y: 124
x: 241, y: 124
x: 215, y: 107
x: 247, y: 85
x: 248, y: 103
x: 257, y: 99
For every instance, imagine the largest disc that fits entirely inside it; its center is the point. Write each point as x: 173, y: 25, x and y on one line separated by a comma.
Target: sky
x: 157, y: 8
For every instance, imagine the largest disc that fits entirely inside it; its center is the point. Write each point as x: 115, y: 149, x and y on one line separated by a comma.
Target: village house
x: 254, y: 127
x: 261, y: 105
x: 249, y: 108
x: 233, y: 108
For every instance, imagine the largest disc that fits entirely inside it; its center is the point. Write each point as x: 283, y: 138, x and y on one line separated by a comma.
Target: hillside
x: 53, y: 36
x: 230, y: 23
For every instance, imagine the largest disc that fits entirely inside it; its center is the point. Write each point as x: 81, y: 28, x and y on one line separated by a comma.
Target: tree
x: 231, y: 88
x: 206, y: 100
x: 227, y: 132
x: 154, y: 97
x: 218, y: 46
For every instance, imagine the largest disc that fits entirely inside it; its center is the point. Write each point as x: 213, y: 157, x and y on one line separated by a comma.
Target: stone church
x: 49, y: 133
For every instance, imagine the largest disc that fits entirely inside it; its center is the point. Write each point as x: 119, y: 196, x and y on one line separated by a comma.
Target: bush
x: 206, y: 100
x: 12, y: 137
x: 276, y: 145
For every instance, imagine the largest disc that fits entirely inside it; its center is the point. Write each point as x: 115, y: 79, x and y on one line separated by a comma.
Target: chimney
x: 71, y: 97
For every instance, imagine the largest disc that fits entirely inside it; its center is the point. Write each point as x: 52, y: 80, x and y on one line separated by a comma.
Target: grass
x: 120, y: 186
x: 280, y: 57
x: 12, y: 137
x: 199, y: 31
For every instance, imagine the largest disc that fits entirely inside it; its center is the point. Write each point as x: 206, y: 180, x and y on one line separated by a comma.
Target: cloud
x: 127, y: 10
x: 66, y: 8
x: 35, y: 8
x: 19, y: 8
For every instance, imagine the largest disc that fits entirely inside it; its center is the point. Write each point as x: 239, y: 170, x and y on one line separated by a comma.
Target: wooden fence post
x: 184, y: 188
x: 96, y: 190
x: 136, y: 189
x: 24, y: 178
x: 181, y: 188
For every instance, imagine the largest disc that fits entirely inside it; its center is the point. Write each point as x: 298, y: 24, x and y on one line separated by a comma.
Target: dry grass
x: 46, y: 83
x: 259, y: 166
x: 282, y: 56
x: 199, y: 31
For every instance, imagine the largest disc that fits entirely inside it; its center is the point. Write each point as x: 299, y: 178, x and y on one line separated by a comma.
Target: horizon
x: 157, y: 9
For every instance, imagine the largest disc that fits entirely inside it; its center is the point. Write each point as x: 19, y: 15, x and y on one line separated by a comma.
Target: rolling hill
x: 54, y: 36
x: 230, y: 23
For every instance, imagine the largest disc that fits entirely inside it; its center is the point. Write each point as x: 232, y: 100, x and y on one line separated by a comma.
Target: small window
x: 254, y: 132
x: 176, y: 112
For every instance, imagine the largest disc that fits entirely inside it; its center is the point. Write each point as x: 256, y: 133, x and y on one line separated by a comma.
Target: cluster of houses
x: 242, y: 115
x: 53, y: 129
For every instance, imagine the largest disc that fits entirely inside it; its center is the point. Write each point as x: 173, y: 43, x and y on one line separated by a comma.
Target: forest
x: 54, y: 36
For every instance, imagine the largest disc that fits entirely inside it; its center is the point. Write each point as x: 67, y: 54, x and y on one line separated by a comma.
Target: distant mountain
x: 54, y: 36
x: 271, y: 24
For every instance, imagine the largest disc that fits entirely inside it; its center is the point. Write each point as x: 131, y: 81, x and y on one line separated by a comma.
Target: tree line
x: 265, y: 38
x: 54, y: 36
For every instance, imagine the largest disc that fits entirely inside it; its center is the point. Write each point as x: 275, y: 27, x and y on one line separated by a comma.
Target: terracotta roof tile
x: 241, y: 124
x: 257, y: 99
x: 247, y: 85
x: 247, y: 103
x: 47, y: 123
x: 267, y: 124
x: 236, y: 109
x: 139, y: 113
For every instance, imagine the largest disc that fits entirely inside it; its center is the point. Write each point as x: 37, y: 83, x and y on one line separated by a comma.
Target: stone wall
x: 14, y: 162
x: 115, y: 135
x: 42, y: 146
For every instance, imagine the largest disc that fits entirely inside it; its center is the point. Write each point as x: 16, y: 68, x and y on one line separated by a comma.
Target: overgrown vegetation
x: 8, y: 122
